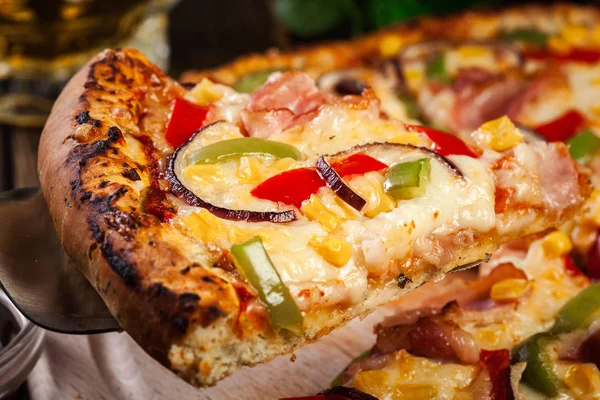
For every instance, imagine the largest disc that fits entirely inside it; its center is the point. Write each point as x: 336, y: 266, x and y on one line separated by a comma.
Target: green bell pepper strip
x: 579, y: 312
x: 527, y: 36
x: 583, y: 145
x: 253, y: 263
x: 408, y: 180
x: 252, y: 81
x: 338, y: 379
x: 435, y: 70
x: 233, y: 149
x: 538, y: 372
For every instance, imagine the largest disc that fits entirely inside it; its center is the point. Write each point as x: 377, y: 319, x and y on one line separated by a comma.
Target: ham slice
x: 287, y: 99
x: 478, y: 102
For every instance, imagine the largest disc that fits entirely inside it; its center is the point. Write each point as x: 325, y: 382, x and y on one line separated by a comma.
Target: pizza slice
x: 223, y: 229
x: 525, y: 326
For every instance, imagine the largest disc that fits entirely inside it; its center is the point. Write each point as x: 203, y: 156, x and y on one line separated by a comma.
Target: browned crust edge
x: 114, y: 246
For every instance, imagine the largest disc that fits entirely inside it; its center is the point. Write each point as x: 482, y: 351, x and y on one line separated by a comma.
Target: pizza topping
x: 285, y: 100
x: 497, y: 365
x: 583, y: 146
x: 563, y: 127
x: 407, y: 180
x: 186, y: 118
x: 178, y: 163
x: 335, y: 182
x: 253, y: 263
x: 290, y: 187
x: 233, y: 149
x: 478, y: 103
x: 443, y: 143
x: 538, y: 373
x: 580, y: 312
x: 296, y: 186
x: 335, y: 251
x: 540, y: 351
x: 499, y: 134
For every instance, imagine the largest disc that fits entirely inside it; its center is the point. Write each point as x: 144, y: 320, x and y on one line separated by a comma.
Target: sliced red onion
x: 406, y: 147
x: 179, y: 189
x: 336, y: 183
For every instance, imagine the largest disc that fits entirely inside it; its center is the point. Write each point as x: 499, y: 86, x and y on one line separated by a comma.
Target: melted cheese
x: 448, y: 205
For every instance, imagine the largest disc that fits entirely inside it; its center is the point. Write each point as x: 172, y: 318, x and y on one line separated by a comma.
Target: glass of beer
x: 44, y: 42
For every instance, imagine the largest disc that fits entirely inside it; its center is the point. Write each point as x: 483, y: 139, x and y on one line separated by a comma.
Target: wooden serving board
x: 111, y: 366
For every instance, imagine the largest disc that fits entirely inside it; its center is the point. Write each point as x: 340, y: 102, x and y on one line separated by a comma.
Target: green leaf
x: 312, y: 17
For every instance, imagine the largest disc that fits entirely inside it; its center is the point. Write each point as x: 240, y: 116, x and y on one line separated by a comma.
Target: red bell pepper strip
x: 186, y: 118
x: 290, y: 187
x: 443, y: 143
x: 294, y: 186
x: 563, y: 127
x: 497, y: 363
x: 571, y: 268
x: 582, y: 55
x: 357, y: 164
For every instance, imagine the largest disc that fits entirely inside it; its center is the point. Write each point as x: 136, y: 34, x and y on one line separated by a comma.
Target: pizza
x: 236, y: 219
x: 223, y: 229
x: 525, y: 324
x: 521, y: 327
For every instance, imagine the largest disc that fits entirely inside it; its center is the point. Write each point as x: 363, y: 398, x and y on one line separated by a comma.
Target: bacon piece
x: 433, y: 336
x: 438, y: 338
x: 461, y: 287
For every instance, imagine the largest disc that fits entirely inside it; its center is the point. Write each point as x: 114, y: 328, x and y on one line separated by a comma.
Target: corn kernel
x: 415, y: 392
x: 335, y: 251
x: 314, y: 210
x: 249, y: 170
x: 205, y: 92
x: 377, y: 200
x: 390, y: 45
x: 575, y: 34
x: 556, y: 244
x: 558, y: 44
x: 204, y: 225
x: 204, y: 173
x: 346, y: 212
x: 583, y: 379
x: 374, y: 382
x: 509, y: 289
x: 240, y: 235
x: 500, y: 134
x: 470, y: 51
x: 595, y: 195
